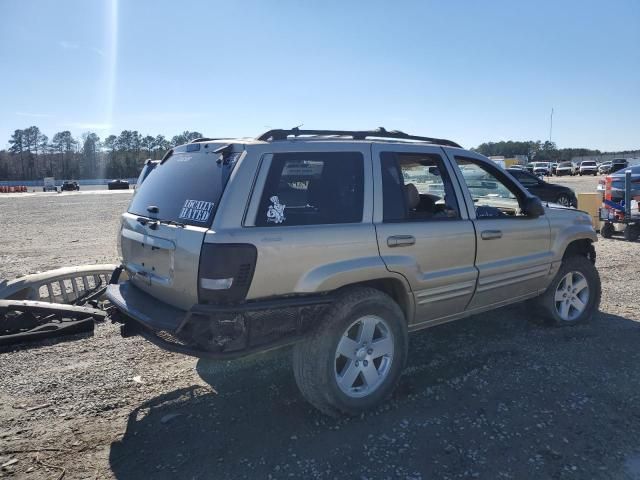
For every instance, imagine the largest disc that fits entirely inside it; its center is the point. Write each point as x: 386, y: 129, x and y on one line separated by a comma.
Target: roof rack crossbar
x: 283, y: 134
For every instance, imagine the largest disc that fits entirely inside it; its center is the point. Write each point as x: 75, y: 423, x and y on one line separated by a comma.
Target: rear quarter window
x: 313, y: 189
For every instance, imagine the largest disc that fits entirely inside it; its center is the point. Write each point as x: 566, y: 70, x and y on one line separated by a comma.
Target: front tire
x: 574, y: 294
x: 352, y: 361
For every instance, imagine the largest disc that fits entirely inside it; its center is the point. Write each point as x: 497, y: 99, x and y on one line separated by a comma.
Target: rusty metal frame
x: 63, y: 285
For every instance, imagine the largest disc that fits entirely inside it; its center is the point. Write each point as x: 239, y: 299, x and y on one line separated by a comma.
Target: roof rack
x: 280, y: 134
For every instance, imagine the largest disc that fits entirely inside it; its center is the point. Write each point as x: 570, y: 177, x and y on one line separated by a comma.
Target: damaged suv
x: 340, y: 243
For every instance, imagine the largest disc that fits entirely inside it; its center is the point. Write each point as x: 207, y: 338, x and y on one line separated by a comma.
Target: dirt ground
x: 493, y: 396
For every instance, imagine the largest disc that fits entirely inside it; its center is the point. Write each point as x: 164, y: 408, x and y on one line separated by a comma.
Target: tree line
x: 534, y: 150
x: 31, y: 155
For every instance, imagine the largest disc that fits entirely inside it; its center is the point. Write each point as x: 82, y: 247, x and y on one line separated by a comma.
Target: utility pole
x: 551, y: 126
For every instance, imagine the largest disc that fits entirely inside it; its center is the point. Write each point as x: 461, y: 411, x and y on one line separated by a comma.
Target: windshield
x: 588, y: 164
x: 186, y: 188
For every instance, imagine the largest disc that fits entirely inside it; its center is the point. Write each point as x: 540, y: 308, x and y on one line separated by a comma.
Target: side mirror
x: 533, y: 207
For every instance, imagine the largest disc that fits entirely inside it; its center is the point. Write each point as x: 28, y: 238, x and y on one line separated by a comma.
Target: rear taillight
x: 225, y: 272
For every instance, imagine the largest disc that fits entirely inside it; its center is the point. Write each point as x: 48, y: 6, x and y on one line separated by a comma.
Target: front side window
x: 313, y: 189
x: 493, y: 197
x: 416, y: 187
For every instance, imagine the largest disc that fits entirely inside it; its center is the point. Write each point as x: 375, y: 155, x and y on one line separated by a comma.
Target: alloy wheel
x: 363, y: 357
x: 572, y: 296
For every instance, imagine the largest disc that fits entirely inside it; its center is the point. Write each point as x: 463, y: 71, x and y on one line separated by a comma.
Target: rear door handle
x: 491, y: 234
x: 401, y: 241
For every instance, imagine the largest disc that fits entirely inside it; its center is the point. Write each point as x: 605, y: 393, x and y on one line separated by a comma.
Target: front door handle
x: 491, y: 234
x: 401, y: 241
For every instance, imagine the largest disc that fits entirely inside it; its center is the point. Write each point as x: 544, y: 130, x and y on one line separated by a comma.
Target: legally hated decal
x: 196, y: 211
x: 275, y: 214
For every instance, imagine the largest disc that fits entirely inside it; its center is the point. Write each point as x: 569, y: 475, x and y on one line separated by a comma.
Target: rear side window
x: 313, y: 189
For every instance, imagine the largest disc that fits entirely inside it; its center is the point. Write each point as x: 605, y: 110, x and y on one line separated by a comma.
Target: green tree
x: 111, y: 142
x: 149, y: 143
x: 185, y: 137
x: 90, y: 148
x: 4, y: 165
x: 64, y: 143
x: 161, y: 145
x: 17, y: 142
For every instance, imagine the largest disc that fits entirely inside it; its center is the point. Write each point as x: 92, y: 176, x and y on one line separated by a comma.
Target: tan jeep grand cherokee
x: 340, y: 243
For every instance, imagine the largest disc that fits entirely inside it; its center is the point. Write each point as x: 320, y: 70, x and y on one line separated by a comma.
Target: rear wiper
x: 153, y: 223
x: 172, y: 222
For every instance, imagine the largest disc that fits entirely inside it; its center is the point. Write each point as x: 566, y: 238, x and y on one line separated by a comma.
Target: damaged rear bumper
x: 216, y: 331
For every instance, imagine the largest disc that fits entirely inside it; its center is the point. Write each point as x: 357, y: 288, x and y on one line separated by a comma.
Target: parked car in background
x: 69, y: 186
x: 618, y: 164
x: 604, y: 168
x: 542, y: 168
x: 565, y: 168
x: 588, y: 167
x: 49, y: 185
x: 118, y: 185
x: 549, y: 192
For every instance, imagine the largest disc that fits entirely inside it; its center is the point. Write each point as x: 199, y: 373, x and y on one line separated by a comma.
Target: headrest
x: 412, y: 196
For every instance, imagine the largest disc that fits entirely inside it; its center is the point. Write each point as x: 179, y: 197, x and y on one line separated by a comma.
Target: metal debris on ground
x: 28, y: 320
x: 59, y: 302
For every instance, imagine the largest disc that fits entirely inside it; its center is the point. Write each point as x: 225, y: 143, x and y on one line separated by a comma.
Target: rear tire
x: 631, y: 233
x: 336, y: 367
x: 573, y: 296
x: 606, y: 231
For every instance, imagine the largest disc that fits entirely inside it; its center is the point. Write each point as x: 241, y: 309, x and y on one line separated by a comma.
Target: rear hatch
x: 164, y: 227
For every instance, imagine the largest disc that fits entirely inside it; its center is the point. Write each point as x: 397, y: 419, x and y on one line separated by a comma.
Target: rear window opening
x: 186, y: 188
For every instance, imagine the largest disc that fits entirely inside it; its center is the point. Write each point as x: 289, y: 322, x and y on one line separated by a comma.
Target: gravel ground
x: 492, y: 396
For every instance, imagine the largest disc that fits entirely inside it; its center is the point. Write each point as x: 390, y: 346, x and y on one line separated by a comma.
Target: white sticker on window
x: 275, y: 213
x: 196, y: 211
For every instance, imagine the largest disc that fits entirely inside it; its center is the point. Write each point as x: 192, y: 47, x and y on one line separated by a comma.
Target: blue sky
x: 472, y: 71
